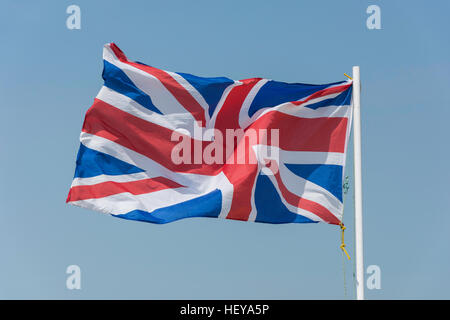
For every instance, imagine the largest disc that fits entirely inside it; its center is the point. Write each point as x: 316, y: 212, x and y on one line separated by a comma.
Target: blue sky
x: 50, y: 76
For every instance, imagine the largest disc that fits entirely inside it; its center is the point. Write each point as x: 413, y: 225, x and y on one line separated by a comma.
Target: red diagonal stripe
x: 109, y: 188
x: 323, y: 92
x: 302, y: 203
x: 177, y: 90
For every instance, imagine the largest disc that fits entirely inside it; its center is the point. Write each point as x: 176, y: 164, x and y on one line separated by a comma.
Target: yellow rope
x: 348, y: 76
x: 342, y: 246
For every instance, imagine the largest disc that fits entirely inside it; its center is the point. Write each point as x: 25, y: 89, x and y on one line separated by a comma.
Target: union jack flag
x: 144, y: 120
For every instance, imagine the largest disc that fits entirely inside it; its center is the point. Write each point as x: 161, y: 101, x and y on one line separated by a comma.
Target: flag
x: 158, y: 146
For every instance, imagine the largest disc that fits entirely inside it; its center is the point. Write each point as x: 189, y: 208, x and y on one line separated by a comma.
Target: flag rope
x: 342, y: 246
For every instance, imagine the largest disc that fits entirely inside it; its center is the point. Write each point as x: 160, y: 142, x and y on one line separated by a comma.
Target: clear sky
x: 50, y: 75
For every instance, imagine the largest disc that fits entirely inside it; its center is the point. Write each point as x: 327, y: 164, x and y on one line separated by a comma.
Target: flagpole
x: 358, y: 184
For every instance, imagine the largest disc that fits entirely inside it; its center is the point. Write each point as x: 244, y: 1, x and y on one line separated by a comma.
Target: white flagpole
x: 358, y: 184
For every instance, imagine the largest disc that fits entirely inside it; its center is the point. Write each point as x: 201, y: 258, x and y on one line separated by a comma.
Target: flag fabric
x: 159, y: 146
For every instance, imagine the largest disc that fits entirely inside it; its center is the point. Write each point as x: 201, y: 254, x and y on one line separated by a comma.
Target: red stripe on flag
x: 322, y: 93
x: 228, y: 116
x: 242, y: 176
x: 108, y: 188
x: 299, y: 202
x: 304, y: 134
x: 177, y: 90
x: 119, y: 53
